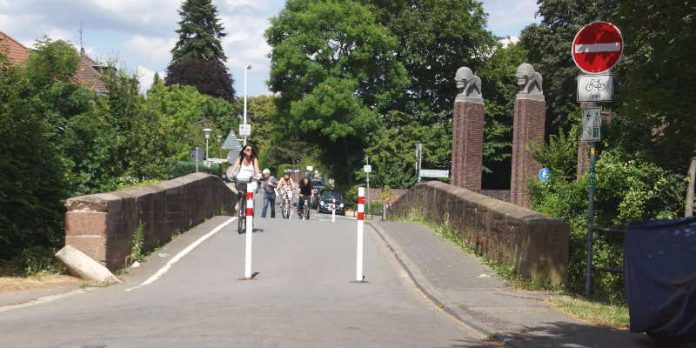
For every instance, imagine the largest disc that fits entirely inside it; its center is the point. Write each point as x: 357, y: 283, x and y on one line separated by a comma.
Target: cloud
x: 508, y: 18
x: 153, y: 50
x: 146, y: 77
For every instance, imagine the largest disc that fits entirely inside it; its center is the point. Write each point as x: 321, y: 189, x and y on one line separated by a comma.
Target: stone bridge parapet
x: 103, y: 225
x: 534, y: 245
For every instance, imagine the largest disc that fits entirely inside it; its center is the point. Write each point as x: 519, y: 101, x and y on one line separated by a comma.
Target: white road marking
x: 598, y: 47
x: 183, y: 253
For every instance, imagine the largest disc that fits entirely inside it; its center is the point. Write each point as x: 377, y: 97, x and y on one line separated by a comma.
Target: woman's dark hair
x: 241, y: 153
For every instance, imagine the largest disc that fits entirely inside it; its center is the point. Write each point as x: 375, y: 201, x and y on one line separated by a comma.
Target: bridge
x: 420, y: 290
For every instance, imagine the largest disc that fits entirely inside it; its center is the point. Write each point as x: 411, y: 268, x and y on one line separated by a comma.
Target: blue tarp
x: 660, y: 276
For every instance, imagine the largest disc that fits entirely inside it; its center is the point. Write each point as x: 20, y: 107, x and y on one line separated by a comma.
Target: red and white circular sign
x: 597, y: 47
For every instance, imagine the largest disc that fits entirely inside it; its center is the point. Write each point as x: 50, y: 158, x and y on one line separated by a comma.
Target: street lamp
x: 248, y: 67
x: 207, y: 136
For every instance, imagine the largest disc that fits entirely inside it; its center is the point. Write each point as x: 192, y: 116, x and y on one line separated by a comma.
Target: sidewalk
x: 463, y: 287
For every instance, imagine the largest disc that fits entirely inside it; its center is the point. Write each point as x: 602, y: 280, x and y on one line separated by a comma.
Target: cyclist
x: 305, y: 198
x: 285, y: 187
x: 245, y: 169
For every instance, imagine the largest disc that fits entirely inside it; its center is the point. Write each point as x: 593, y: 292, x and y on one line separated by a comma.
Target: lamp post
x: 248, y: 67
x: 206, y: 131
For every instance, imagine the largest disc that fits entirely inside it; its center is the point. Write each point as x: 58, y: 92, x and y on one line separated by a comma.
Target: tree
x: 656, y: 114
x: 435, y: 38
x: 198, y: 58
x: 208, y: 76
x: 32, y: 183
x: 499, y: 89
x: 336, y: 72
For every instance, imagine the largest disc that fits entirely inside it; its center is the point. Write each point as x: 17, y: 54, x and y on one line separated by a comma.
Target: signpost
x: 596, y: 48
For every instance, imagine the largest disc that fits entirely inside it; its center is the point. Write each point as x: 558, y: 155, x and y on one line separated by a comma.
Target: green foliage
x: 392, y: 152
x: 199, y: 32
x: 336, y: 69
x: 499, y: 89
x: 655, y: 110
x: 627, y: 189
x: 560, y: 153
x: 434, y: 38
x: 137, y: 252
x: 32, y: 184
x: 198, y: 58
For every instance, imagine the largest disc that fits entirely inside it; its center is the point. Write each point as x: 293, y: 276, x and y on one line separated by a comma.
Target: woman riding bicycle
x: 305, y: 198
x: 246, y: 168
x: 285, y: 187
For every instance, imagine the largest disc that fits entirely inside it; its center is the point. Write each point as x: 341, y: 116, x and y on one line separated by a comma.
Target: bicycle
x: 304, y: 207
x: 286, y: 206
x: 241, y: 186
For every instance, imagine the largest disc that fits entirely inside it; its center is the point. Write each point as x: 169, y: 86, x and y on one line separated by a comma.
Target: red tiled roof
x: 86, y: 73
x: 15, y: 52
x: 88, y: 76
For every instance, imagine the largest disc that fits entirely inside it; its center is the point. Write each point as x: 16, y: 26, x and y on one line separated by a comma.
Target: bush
x: 627, y: 189
x: 182, y: 168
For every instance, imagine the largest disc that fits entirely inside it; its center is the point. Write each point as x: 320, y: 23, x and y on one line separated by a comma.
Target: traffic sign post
x: 597, y: 47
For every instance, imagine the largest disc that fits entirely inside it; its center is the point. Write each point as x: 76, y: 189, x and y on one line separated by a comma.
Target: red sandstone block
x: 82, y: 223
x: 92, y: 246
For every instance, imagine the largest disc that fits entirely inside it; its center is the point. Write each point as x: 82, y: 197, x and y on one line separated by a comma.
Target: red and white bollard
x: 249, y: 232
x: 359, y: 277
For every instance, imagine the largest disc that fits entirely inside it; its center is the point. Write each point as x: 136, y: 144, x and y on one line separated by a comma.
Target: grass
x: 613, y: 315
x: 597, y: 313
x: 39, y: 281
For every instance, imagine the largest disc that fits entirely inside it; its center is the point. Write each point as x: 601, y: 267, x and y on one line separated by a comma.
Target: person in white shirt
x: 246, y: 167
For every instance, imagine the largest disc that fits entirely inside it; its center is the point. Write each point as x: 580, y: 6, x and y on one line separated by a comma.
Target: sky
x: 141, y: 33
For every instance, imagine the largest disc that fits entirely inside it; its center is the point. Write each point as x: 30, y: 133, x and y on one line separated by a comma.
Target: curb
x: 436, y: 297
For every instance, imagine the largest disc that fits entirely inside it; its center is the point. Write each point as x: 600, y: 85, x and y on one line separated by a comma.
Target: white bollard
x: 249, y: 232
x: 359, y: 277
x: 333, y: 211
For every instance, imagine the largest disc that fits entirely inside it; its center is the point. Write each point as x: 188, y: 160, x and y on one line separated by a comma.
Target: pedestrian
x: 269, y: 184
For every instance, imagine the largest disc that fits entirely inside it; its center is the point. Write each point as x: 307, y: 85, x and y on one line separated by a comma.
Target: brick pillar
x: 467, y: 144
x: 528, y: 127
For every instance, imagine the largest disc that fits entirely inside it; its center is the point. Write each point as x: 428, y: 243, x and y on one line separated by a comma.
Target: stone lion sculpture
x: 468, y: 84
x: 530, y: 81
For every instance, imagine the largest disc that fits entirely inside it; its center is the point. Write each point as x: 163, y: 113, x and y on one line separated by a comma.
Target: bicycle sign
x: 595, y: 88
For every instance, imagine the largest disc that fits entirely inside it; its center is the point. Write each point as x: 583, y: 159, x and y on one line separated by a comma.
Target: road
x: 302, y: 297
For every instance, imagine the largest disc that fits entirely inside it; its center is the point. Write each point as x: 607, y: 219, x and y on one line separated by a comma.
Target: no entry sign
x: 597, y: 47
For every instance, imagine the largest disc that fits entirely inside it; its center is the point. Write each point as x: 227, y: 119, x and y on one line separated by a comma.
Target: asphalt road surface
x: 302, y: 296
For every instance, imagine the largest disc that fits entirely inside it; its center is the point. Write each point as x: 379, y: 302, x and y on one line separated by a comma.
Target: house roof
x: 86, y: 74
x: 89, y: 76
x: 16, y: 52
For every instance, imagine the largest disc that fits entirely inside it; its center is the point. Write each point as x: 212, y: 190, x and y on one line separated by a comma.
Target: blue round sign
x: 544, y: 174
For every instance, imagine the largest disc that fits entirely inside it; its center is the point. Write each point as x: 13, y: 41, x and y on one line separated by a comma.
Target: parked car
x: 317, y: 188
x: 326, y: 201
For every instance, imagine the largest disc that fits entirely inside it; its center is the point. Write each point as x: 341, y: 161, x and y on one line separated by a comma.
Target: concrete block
x: 84, y: 266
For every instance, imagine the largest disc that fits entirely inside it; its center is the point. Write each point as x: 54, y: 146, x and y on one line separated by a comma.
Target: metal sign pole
x: 590, y: 220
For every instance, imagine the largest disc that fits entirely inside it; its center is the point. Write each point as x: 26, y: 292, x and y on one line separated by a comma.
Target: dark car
x: 317, y: 188
x: 326, y: 201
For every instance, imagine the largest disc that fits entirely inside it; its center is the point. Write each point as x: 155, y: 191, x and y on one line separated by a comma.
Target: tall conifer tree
x: 198, y: 58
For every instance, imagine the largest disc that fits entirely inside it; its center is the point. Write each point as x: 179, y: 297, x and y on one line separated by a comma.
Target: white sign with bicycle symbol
x: 595, y: 88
